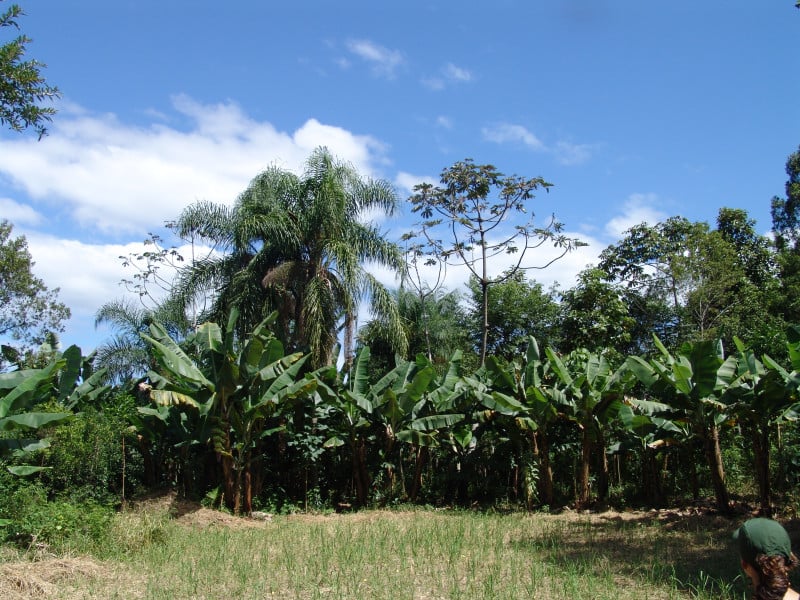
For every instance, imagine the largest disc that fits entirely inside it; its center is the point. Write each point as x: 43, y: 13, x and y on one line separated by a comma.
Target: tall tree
x: 786, y: 211
x: 298, y: 245
x: 595, y: 316
x: 28, y: 309
x: 650, y: 260
x: 516, y: 310
x: 786, y: 227
x: 473, y: 208
x: 22, y: 87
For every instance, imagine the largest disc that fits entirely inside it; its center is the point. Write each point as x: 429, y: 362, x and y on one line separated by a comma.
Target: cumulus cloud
x: 18, y: 214
x: 572, y: 154
x: 638, y: 208
x: 406, y: 181
x: 454, y: 73
x: 384, y: 62
x: 444, y: 122
x: 118, y: 178
x: 507, y: 132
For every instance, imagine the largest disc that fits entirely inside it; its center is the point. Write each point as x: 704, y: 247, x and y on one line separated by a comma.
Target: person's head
x: 766, y: 555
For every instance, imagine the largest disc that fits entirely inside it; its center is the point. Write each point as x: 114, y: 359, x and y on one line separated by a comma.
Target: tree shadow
x: 693, y: 553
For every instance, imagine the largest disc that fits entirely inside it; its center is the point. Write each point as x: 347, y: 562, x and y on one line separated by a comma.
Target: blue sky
x: 633, y: 110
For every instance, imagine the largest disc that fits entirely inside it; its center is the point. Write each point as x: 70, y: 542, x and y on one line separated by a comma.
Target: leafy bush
x: 86, y: 456
x: 59, y: 525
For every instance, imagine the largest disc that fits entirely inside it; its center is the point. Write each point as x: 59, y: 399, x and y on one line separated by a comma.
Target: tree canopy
x: 23, y: 90
x: 28, y: 309
x: 298, y: 245
x: 465, y: 221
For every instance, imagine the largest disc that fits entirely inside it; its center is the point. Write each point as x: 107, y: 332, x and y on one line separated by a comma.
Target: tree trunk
x: 248, y: 492
x: 541, y: 450
x: 360, y: 474
x: 651, y: 478
x: 420, y: 461
x: 761, y: 454
x: 602, y: 477
x: 484, y: 316
x: 714, y: 459
x: 583, y: 475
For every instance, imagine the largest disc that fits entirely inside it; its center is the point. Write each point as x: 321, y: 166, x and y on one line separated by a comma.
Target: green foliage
x: 229, y: 393
x: 28, y: 310
x: 595, y: 316
x: 516, y: 309
x: 22, y: 87
x: 433, y: 322
x: 58, y: 525
x: 297, y: 245
x: 87, y: 456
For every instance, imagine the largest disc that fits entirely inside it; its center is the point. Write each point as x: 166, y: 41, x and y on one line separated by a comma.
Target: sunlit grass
x: 419, y: 555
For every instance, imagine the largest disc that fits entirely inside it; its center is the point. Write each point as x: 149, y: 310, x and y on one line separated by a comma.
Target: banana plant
x: 592, y: 393
x: 234, y: 387
x: 762, y: 395
x: 523, y: 389
x: 693, y: 384
x: 650, y: 434
x: 19, y: 391
x: 401, y: 405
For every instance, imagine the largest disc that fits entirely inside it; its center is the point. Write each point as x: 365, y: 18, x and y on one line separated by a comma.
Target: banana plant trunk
x: 583, y: 475
x: 541, y: 450
x: 761, y: 454
x: 419, y: 465
x: 360, y: 473
x: 714, y: 458
x: 603, y: 475
x: 651, y: 477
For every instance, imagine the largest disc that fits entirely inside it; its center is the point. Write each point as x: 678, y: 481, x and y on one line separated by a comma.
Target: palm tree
x: 125, y: 355
x: 298, y: 245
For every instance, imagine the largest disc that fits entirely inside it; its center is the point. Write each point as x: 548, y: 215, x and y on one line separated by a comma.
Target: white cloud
x: 449, y: 73
x: 566, y: 153
x: 639, y: 208
x: 407, y: 181
x: 454, y: 73
x: 18, y: 214
x: 572, y: 154
x: 383, y: 60
x: 508, y: 132
x: 118, y: 178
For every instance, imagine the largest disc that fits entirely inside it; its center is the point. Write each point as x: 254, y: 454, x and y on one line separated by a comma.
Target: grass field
x: 190, y: 552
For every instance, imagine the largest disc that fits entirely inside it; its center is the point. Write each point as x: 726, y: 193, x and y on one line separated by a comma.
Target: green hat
x: 762, y: 536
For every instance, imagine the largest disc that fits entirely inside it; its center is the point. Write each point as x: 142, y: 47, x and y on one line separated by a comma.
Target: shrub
x: 59, y: 525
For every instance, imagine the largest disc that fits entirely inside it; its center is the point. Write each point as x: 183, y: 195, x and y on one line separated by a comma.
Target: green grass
x: 417, y: 555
